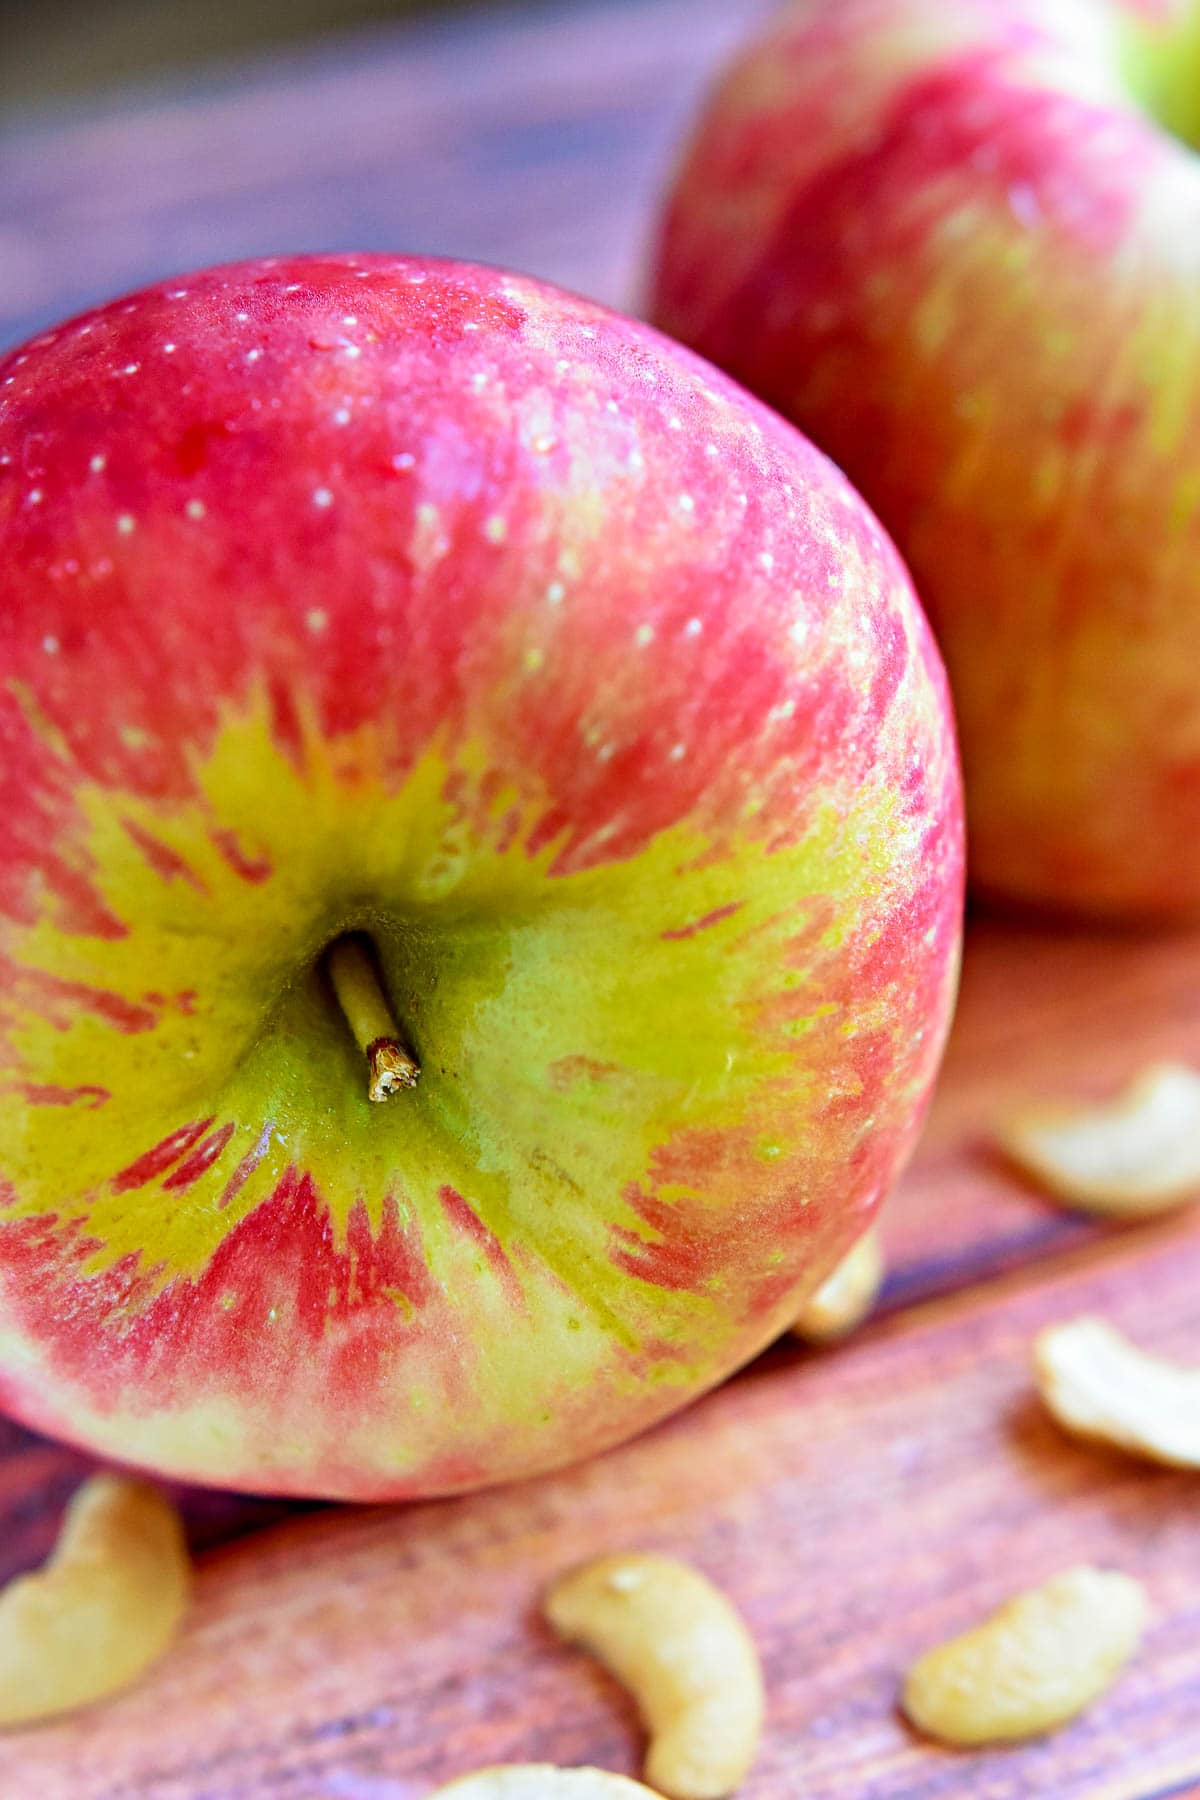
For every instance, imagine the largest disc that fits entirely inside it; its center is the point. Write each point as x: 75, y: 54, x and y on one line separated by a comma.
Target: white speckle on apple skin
x: 322, y: 497
x: 126, y: 524
x: 195, y: 509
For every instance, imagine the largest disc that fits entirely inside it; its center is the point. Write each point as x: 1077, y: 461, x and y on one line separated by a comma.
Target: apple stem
x: 356, y: 983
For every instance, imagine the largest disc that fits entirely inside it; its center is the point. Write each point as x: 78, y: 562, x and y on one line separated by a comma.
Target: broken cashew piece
x: 846, y: 1297
x: 1034, y: 1664
x: 1133, y: 1157
x: 541, y: 1781
x: 677, y: 1644
x: 1100, y: 1386
x: 104, y: 1607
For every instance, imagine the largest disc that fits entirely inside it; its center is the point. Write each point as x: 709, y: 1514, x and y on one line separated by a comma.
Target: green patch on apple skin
x: 1156, y: 58
x: 499, y: 977
x: 643, y: 1082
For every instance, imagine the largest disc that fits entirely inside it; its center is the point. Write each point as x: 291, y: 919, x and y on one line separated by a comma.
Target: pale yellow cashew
x: 540, y: 1781
x: 1099, y: 1385
x: 108, y: 1602
x: 1129, y: 1158
x: 677, y: 1644
x: 844, y: 1298
x: 1034, y: 1664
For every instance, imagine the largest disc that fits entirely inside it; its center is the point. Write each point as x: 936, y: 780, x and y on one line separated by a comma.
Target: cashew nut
x: 846, y: 1297
x: 104, y: 1607
x: 677, y: 1644
x: 1133, y: 1157
x: 540, y: 1781
x: 1032, y: 1665
x: 1099, y: 1385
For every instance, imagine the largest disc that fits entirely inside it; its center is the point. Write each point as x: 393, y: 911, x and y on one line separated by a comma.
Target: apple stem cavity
x: 356, y: 982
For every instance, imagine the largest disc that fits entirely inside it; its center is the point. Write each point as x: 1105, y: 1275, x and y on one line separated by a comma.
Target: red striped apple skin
x: 417, y: 600
x: 952, y: 244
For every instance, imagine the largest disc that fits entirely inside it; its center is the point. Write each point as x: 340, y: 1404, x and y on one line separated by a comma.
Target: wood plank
x: 1044, y: 1010
x: 858, y: 1505
x: 537, y: 136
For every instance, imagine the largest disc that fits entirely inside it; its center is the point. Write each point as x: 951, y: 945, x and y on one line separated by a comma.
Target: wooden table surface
x: 857, y: 1503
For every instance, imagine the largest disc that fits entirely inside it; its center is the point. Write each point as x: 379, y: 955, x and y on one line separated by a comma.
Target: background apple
x: 417, y: 601
x: 958, y: 245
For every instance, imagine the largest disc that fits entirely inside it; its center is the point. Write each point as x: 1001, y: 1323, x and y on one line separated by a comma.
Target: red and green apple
x: 957, y: 244
x: 404, y: 657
